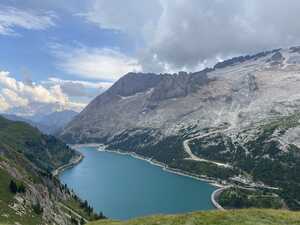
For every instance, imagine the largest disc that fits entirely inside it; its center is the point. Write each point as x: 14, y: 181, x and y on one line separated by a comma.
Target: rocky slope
x: 249, y: 104
x: 29, y: 194
x: 237, y: 92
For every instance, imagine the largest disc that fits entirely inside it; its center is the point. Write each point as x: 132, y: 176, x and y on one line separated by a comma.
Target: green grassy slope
x: 236, y: 217
x: 46, y: 152
x: 27, y: 158
x: 7, y: 214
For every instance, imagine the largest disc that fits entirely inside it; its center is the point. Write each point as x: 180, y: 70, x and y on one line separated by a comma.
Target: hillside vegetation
x: 237, y: 217
x: 45, y: 151
x: 29, y: 193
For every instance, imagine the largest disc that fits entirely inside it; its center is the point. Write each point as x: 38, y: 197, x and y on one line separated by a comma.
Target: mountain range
x: 49, y: 123
x: 239, y: 120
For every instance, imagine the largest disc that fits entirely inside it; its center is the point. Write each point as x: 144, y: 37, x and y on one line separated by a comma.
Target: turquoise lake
x: 123, y: 187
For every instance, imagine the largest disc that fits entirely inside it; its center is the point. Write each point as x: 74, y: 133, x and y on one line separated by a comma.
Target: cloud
x: 94, y: 63
x: 74, y: 88
x: 31, y: 98
x: 135, y: 15
x: 3, y: 104
x: 11, y: 18
x: 13, y: 98
x: 86, y: 84
x: 187, y: 34
x: 31, y: 92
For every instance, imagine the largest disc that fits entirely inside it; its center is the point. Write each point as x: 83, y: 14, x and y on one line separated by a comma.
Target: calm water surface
x: 123, y: 187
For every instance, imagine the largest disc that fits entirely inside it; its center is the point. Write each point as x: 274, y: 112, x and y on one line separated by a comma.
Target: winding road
x: 193, y: 157
x: 68, y: 165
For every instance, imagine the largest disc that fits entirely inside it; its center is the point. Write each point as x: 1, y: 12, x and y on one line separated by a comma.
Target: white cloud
x: 75, y: 88
x: 136, y: 15
x: 13, y: 98
x: 184, y: 34
x: 86, y: 84
x: 32, y: 92
x: 93, y: 63
x: 18, y: 96
x: 11, y: 18
x: 3, y: 104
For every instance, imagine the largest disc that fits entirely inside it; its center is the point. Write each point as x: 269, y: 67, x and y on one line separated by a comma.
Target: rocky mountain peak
x: 133, y: 83
x: 178, y: 85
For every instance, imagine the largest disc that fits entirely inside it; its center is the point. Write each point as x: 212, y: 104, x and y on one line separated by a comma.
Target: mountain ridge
x: 157, y: 88
x: 249, y: 104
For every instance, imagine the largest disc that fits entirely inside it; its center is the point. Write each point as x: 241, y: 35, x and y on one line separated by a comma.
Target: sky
x: 58, y: 55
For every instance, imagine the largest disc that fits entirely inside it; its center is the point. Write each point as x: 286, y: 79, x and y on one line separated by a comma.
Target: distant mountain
x: 45, y: 129
x: 37, y: 108
x: 55, y: 121
x: 48, y: 124
x: 236, y: 122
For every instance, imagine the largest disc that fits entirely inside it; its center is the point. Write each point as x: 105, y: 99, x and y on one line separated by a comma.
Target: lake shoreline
x: 164, y: 167
x: 73, y: 162
x: 159, y: 190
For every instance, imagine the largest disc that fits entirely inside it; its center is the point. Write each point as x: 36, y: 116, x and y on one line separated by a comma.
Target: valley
x: 242, y: 137
x: 156, y: 112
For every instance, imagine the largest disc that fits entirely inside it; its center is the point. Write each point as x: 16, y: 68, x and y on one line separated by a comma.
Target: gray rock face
x: 238, y: 92
x: 277, y: 57
x: 179, y: 85
x: 133, y: 83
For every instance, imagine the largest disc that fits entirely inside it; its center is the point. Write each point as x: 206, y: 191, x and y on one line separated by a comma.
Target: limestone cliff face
x: 237, y: 92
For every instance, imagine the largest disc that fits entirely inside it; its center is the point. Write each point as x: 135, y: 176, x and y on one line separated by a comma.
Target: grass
x: 46, y: 152
x: 75, y: 205
x: 5, y: 194
x: 31, y: 155
x: 234, y: 217
x: 235, y: 197
x: 8, y: 215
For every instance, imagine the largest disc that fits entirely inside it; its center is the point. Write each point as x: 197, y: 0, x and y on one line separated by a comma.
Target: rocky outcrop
x: 133, y: 83
x: 178, y: 85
